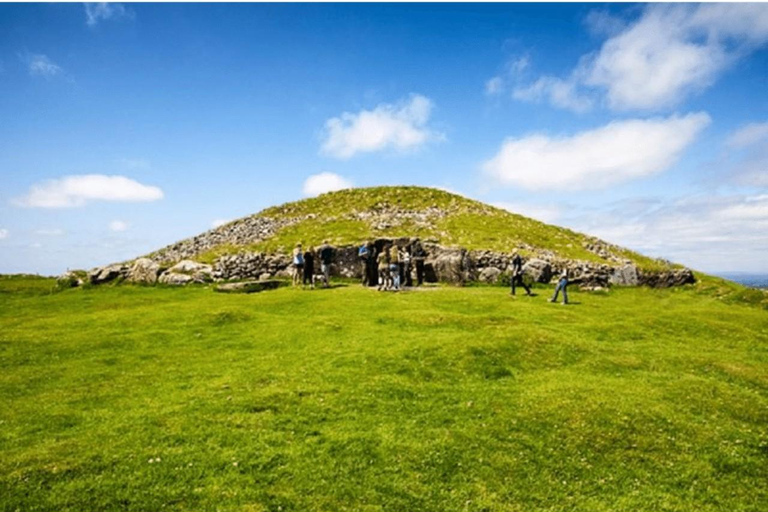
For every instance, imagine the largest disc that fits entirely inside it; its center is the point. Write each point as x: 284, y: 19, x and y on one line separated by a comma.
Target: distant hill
x: 348, y: 217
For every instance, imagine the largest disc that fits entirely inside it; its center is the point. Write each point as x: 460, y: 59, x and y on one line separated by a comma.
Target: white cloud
x: 748, y: 135
x: 95, y: 12
x: 670, y: 52
x: 220, y: 222
x: 400, y: 127
x: 118, y: 226
x: 4, y: 233
x: 49, y: 232
x: 77, y: 190
x: 324, y: 182
x: 539, y: 212
x: 617, y: 152
x: 711, y: 233
x: 41, y: 65
x: 560, y: 93
x: 494, y: 86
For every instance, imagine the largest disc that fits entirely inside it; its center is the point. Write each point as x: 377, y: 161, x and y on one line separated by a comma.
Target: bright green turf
x: 148, y: 399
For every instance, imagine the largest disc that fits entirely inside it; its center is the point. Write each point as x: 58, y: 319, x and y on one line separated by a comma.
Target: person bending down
x: 562, y: 284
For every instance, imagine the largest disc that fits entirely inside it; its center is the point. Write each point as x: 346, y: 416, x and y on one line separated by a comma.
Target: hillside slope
x: 347, y: 217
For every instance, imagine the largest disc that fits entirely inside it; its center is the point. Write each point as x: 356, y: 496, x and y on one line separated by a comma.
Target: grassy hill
x: 154, y: 398
x: 348, y: 217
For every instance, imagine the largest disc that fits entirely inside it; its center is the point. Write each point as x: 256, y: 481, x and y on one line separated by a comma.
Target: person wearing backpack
x: 298, y: 264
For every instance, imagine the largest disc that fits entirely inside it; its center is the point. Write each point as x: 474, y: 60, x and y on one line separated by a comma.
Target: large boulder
x: 451, y: 266
x: 200, y: 272
x: 624, y: 276
x: 489, y: 275
x: 175, y: 279
x: 668, y: 278
x: 72, y: 279
x: 109, y: 273
x: 540, y: 271
x: 144, y: 270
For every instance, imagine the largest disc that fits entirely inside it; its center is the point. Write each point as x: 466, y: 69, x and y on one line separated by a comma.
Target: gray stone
x: 248, y: 286
x: 540, y: 271
x: 175, y: 279
x: 489, y: 275
x: 199, y: 272
x: 109, y: 273
x: 624, y: 276
x: 144, y: 270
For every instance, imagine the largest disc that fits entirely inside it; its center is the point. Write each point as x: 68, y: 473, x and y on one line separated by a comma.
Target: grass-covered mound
x: 348, y: 217
x: 142, y: 398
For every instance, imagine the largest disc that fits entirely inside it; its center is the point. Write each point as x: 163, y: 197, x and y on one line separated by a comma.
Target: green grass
x: 152, y: 398
x: 468, y: 223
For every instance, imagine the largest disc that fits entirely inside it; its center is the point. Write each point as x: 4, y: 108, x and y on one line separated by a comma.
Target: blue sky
x: 126, y: 127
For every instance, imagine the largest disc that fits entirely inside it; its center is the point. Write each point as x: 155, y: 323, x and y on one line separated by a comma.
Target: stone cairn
x: 443, y: 264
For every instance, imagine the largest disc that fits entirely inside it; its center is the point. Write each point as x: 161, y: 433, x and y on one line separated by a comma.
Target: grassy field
x: 148, y: 399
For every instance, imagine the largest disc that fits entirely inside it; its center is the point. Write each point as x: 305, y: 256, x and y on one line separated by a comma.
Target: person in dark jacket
x: 364, y: 254
x: 309, y: 268
x: 517, y: 274
x: 418, y: 255
x: 326, y: 259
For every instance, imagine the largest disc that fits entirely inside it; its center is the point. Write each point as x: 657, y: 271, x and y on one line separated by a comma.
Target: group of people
x: 390, y: 267
x: 304, y: 265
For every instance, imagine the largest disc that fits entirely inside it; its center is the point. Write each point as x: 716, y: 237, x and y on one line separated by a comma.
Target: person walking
x: 309, y: 268
x: 326, y: 259
x: 394, y: 267
x: 298, y: 264
x: 562, y: 284
x: 383, y: 264
x: 517, y: 274
x: 419, y: 255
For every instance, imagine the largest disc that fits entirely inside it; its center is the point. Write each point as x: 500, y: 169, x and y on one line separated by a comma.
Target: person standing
x: 298, y: 264
x: 364, y: 255
x: 405, y: 261
x: 394, y: 267
x: 419, y: 255
x: 326, y: 259
x: 309, y: 268
x: 383, y: 264
x: 562, y: 284
x: 517, y: 274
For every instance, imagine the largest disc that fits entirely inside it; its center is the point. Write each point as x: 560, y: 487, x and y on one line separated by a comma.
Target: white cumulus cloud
x: 3, y: 233
x: 670, y: 52
x: 77, y: 190
x: 324, y: 182
x: 617, y: 152
x: 41, y: 65
x: 748, y: 135
x: 98, y: 11
x: 401, y: 127
x: 118, y: 226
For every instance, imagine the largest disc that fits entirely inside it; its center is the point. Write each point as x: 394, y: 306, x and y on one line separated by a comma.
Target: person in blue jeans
x: 562, y: 284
